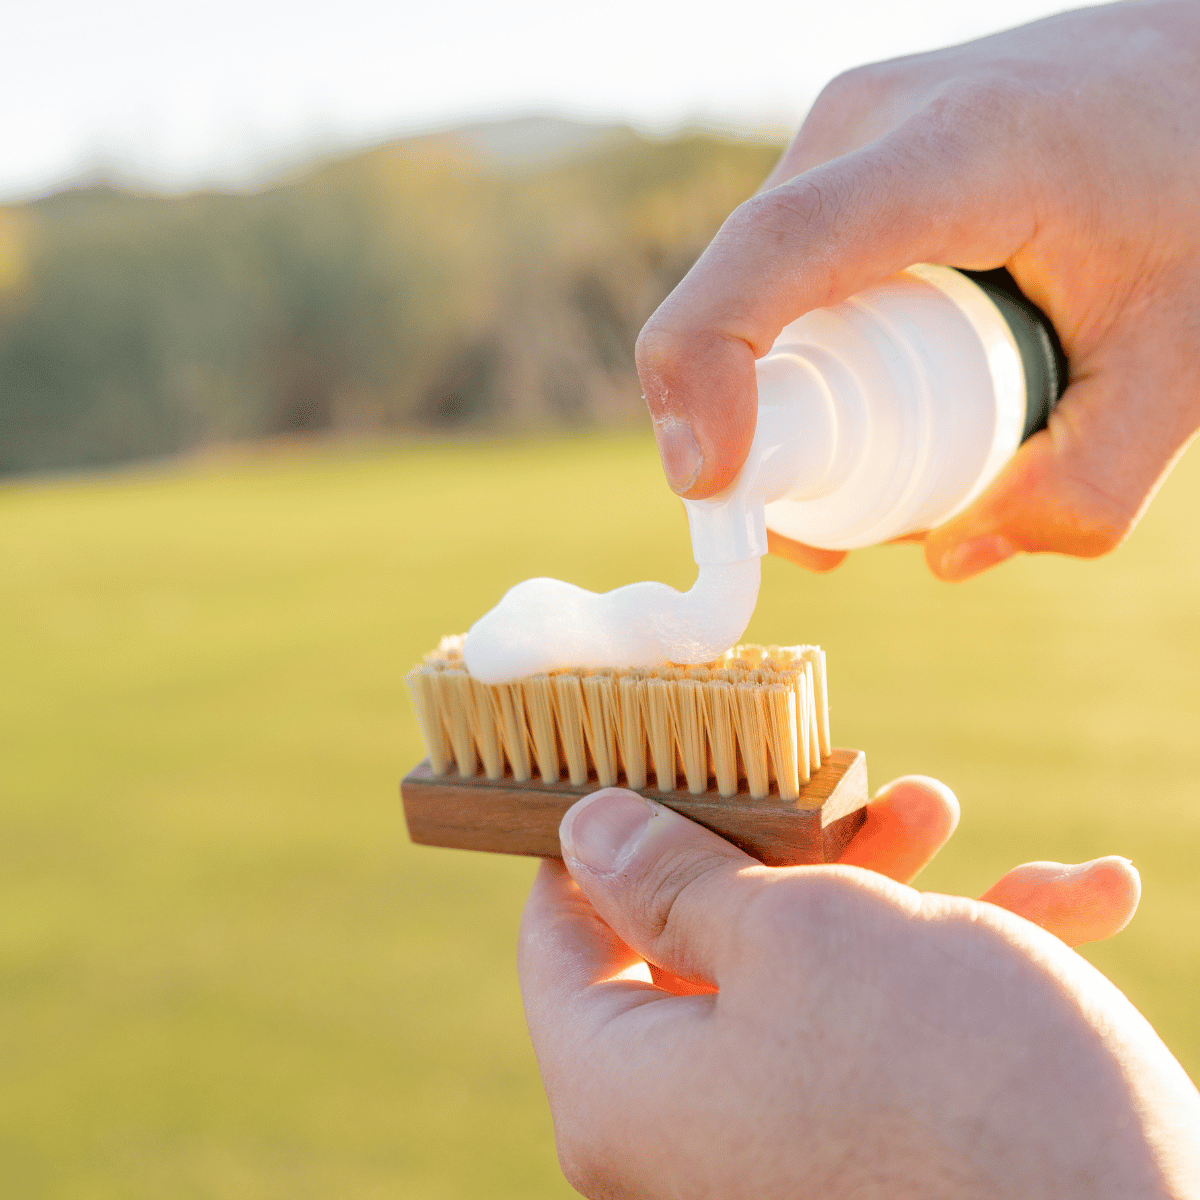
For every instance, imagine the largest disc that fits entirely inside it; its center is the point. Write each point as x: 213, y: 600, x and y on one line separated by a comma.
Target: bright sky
x: 187, y: 92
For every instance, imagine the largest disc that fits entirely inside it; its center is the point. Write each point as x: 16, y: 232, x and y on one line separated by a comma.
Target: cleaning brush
x: 740, y: 744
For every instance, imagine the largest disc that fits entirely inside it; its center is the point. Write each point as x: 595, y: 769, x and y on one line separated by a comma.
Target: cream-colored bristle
x: 693, y: 743
x: 811, y: 729
x: 568, y: 696
x: 660, y: 733
x: 808, y: 755
x: 793, y: 680
x: 806, y: 711
x: 538, y: 692
x: 600, y: 725
x: 422, y: 686
x: 720, y: 716
x: 631, y: 732
x: 459, y: 716
x: 755, y: 713
x: 513, y: 731
x: 486, y: 728
x: 816, y: 656
x: 808, y: 763
x: 782, y: 739
x: 752, y: 738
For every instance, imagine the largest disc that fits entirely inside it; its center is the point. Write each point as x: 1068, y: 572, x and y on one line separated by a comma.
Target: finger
x: 810, y: 557
x: 668, y: 888
x: 813, y: 558
x: 1078, y: 904
x: 908, y: 822
x: 932, y: 190
x: 1081, y: 485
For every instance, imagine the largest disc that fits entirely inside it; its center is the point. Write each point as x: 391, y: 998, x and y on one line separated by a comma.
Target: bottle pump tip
x: 792, y: 452
x: 727, y: 528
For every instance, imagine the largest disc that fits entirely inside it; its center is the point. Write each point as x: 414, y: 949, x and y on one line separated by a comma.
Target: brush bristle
x: 757, y: 719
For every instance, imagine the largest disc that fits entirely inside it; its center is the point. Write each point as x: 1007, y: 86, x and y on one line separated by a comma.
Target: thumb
x: 667, y: 887
x: 932, y: 190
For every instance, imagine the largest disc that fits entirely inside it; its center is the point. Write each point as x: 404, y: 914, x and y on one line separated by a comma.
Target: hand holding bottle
x: 1067, y: 150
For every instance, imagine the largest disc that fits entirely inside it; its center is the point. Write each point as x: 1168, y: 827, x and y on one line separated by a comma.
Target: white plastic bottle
x: 885, y: 414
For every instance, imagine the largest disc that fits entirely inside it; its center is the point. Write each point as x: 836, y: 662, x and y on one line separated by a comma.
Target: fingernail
x: 969, y: 558
x: 680, y: 452
x: 604, y: 829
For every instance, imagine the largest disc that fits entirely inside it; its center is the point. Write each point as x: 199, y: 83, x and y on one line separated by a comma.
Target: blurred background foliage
x: 494, y: 278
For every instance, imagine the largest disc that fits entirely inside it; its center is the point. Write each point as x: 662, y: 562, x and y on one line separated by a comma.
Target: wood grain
x: 523, y: 818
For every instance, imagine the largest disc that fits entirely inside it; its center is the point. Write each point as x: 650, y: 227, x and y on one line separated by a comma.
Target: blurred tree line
x: 423, y: 285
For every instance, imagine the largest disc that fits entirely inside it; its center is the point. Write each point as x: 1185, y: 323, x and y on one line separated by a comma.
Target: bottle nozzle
x: 792, y: 453
x: 727, y: 528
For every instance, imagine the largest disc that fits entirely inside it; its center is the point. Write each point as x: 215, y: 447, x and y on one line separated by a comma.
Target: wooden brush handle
x: 523, y: 818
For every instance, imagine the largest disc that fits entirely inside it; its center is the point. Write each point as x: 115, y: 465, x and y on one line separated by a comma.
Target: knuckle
x: 658, y: 353
x: 971, y: 113
x: 852, y: 89
x: 795, y: 222
x: 797, y: 205
x: 669, y: 881
x: 677, y: 364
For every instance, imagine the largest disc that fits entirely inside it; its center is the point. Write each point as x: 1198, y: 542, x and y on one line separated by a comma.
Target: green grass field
x: 226, y: 974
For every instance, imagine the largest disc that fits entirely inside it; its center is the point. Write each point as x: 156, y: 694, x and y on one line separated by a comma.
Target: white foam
x: 545, y: 624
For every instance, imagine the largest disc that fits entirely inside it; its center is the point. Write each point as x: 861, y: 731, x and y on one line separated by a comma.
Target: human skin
x: 1067, y: 150
x: 830, y: 1032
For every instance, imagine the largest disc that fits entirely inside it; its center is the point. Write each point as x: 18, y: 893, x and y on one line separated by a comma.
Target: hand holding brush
x: 706, y: 1026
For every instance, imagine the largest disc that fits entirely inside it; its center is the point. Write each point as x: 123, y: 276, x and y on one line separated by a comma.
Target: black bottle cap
x: 1046, y: 369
